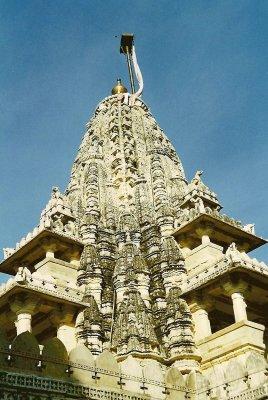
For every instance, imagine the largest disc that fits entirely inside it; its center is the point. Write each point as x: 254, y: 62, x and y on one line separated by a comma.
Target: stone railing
x: 238, y: 337
x: 35, y: 384
x: 51, y: 287
x: 6, y: 286
x: 253, y: 394
x: 39, y: 385
x: 68, y: 369
x: 258, y: 393
x: 44, y: 286
x: 227, y: 263
x: 8, y: 251
x: 47, y: 225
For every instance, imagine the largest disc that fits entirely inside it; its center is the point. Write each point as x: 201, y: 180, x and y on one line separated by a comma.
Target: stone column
x: 199, y: 309
x: 166, y: 225
x: 237, y: 292
x: 63, y: 319
x: 23, y: 309
x: 204, y: 232
x: 49, y: 247
x: 185, y: 245
x: 94, y: 285
x: 143, y: 287
x: 23, y: 322
x: 239, y: 306
x: 202, y: 323
x: 120, y: 288
x: 74, y: 256
x: 66, y: 334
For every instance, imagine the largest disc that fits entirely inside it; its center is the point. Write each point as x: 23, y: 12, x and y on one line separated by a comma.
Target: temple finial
x: 126, y: 46
x: 119, y: 87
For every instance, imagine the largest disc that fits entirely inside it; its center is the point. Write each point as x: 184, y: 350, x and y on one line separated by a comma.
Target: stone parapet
x: 258, y: 393
x: 61, y: 272
x: 202, y: 257
x: 46, y: 287
x: 222, y: 267
x: 225, y: 229
x: 45, y: 240
x: 234, y: 339
x: 31, y: 384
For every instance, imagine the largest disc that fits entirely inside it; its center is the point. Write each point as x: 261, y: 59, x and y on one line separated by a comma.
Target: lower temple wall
x: 31, y: 372
x: 28, y: 387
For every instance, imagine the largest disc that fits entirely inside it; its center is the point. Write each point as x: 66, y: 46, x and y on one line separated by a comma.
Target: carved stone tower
x: 134, y: 284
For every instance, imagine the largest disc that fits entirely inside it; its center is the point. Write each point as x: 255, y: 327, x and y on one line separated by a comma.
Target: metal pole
x: 130, y: 71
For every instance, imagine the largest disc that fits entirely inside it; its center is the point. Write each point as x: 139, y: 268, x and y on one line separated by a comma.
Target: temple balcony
x: 207, y: 272
x: 196, y: 228
x: 47, y: 254
x: 228, y: 299
x: 43, y: 307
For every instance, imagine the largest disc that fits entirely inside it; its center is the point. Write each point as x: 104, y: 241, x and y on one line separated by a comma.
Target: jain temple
x: 133, y: 284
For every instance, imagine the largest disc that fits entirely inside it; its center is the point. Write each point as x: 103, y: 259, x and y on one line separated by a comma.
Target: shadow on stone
x: 3, y: 349
x: 55, y: 359
x: 25, y: 352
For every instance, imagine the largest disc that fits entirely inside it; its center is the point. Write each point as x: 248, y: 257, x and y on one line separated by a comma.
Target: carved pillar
x: 237, y: 292
x: 172, y: 264
x: 143, y: 284
x: 120, y: 287
x: 23, y: 308
x: 204, y: 232
x: 66, y: 334
x: 199, y: 309
x: 185, y: 245
x: 202, y: 323
x: 94, y: 285
x: 239, y: 306
x: 166, y: 225
x: 49, y: 247
x: 89, y: 227
x: 179, y: 332
x: 63, y: 320
x: 23, y: 322
x: 74, y: 256
x: 89, y: 326
x: 90, y: 273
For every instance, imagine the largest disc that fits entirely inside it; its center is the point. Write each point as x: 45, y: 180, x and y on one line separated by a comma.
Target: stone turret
x: 172, y: 263
x: 90, y: 273
x: 89, y: 326
x: 133, y: 331
x: 179, y: 332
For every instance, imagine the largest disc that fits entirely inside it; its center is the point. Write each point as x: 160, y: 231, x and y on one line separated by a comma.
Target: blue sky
x: 204, y: 65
